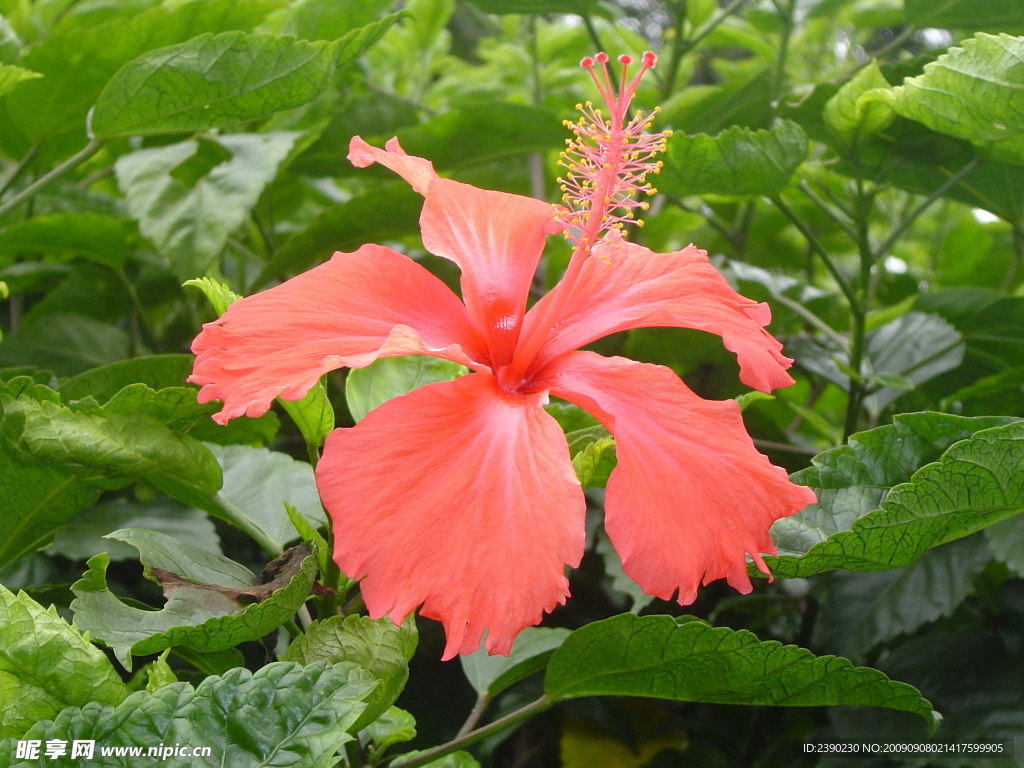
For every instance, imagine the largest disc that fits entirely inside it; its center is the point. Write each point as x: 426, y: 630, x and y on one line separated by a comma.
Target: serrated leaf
x: 855, y: 479
x: 977, y: 482
x: 213, y: 81
x: 380, y: 648
x: 490, y: 675
x: 595, y: 462
x: 257, y: 481
x: 657, y: 656
x: 46, y: 665
x: 104, y: 447
x: 217, y: 293
x: 159, y: 673
x: 155, y: 371
x: 861, y: 610
x: 78, y: 63
x: 973, y: 92
x: 853, y: 119
x: 84, y: 535
x: 98, y: 238
x: 738, y: 162
x: 388, y: 377
x: 191, y: 223
x: 203, y: 620
x: 282, y: 715
x: 11, y: 76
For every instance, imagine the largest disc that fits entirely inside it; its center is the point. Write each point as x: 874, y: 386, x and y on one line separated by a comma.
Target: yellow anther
x: 640, y: 223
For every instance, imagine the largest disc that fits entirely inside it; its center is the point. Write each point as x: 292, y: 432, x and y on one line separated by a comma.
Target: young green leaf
x: 393, y: 727
x: 738, y: 162
x: 11, y: 76
x: 853, y: 119
x: 388, y: 377
x: 313, y: 414
x: 217, y: 293
x: 46, y: 665
x: 688, y: 660
x: 378, y: 647
x: 284, y: 714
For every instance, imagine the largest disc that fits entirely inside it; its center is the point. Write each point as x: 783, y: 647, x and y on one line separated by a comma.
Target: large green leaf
x: 386, y: 378
x: 973, y: 92
x: 98, y: 238
x: 217, y: 80
x: 104, y: 445
x: 258, y: 481
x: 390, y: 211
x: 738, y: 162
x: 158, y: 550
x: 66, y: 344
x: 155, y: 371
x: 977, y: 482
x: 37, y: 501
x: 992, y: 15
x: 46, y: 665
x: 190, y: 222
x: 581, y: 7
x: 327, y: 19
x: 862, y: 610
x: 78, y: 63
x: 490, y: 675
x: 282, y: 715
x: 380, y: 648
x: 199, y: 616
x: 688, y: 660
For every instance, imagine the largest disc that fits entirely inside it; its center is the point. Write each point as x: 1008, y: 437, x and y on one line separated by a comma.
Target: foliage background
x: 858, y: 164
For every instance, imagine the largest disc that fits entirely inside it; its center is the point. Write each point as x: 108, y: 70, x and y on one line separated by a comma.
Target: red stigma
x: 602, y: 58
x: 650, y: 59
x: 624, y: 59
x: 587, y: 62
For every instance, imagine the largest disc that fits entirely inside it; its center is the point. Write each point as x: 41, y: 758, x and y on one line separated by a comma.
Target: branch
x: 43, y: 182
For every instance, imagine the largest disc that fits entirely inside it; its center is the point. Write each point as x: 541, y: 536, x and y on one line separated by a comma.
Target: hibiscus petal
x: 691, y: 496
x: 626, y: 286
x: 459, y: 496
x: 346, y: 312
x: 496, y: 238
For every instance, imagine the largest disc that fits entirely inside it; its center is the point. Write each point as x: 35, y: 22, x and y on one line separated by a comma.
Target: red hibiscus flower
x: 460, y: 496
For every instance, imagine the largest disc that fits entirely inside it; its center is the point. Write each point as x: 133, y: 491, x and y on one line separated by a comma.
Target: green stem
x: 939, y: 191
x: 859, y: 312
x: 20, y: 168
x: 785, y: 9
x: 139, y: 307
x: 474, y: 716
x: 1010, y: 278
x: 46, y: 180
x: 840, y: 278
x: 710, y: 24
x: 540, y: 705
x: 811, y: 318
x: 596, y: 40
x: 843, y: 224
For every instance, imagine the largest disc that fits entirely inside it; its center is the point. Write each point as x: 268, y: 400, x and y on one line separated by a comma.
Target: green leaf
x: 384, y: 213
x: 328, y: 19
x: 200, y: 617
x: 38, y: 501
x: 977, y: 482
x: 380, y: 648
x: 459, y: 759
x: 388, y: 377
x: 620, y: 582
x: 851, y: 118
x: 104, y: 446
x: 738, y: 162
x: 84, y: 535
x: 393, y: 727
x: 862, y: 610
x: 46, y: 665
x: 155, y: 371
x: 257, y: 481
x: 77, y: 64
x: 217, y: 293
x: 11, y: 76
x: 98, y: 238
x: 490, y: 675
x: 313, y: 414
x: 749, y: 398
x: 10, y: 43
x: 66, y: 344
x: 688, y: 660
x: 159, y: 673
x: 595, y: 462
x: 158, y: 550
x: 973, y: 92
x: 581, y: 7
x: 190, y: 223
x: 993, y: 15
x: 213, y: 81
x: 281, y: 715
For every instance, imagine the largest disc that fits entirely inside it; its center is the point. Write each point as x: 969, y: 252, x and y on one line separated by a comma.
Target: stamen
x: 608, y: 160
